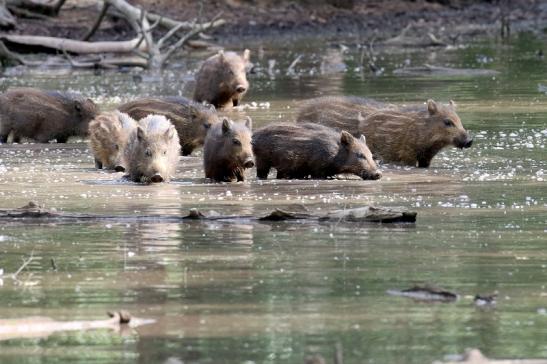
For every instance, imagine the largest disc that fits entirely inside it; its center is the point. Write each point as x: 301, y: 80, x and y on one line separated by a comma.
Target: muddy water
x: 277, y: 292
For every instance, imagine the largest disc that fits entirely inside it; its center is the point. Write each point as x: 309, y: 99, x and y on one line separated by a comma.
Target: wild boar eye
x: 148, y: 153
x: 206, y: 126
x: 448, y: 123
x: 164, y: 152
x: 360, y: 156
x: 116, y: 146
x: 236, y: 142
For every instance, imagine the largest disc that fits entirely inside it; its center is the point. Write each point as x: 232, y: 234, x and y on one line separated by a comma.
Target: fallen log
x: 44, y: 326
x: 33, y: 211
x: 74, y: 46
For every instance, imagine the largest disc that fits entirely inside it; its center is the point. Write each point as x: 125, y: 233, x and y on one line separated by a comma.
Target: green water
x: 277, y: 292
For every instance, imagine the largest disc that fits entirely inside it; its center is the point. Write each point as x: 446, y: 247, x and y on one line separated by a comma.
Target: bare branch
x: 169, y: 35
x: 97, y: 23
x: 25, y: 263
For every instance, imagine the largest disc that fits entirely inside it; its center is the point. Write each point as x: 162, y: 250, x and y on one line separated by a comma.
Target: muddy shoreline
x: 285, y: 21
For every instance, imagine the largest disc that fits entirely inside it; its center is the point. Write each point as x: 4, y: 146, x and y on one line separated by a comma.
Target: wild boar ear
x: 363, y: 139
x: 104, y: 128
x: 432, y: 107
x: 78, y: 106
x: 221, y: 55
x: 140, y: 133
x: 346, y: 138
x: 452, y: 104
x: 249, y: 123
x: 212, y: 108
x: 247, y: 55
x: 170, y: 133
x: 226, y: 125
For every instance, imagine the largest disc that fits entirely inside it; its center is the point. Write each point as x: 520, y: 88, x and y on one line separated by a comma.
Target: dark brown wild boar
x: 411, y: 135
x: 309, y: 150
x: 44, y: 115
x: 227, y: 151
x: 153, y: 150
x: 109, y: 133
x: 191, y: 119
x: 221, y: 80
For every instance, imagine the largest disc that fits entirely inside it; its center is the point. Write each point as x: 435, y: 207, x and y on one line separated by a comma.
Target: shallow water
x: 276, y: 292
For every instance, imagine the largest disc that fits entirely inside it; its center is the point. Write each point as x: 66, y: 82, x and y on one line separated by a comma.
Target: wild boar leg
x: 262, y: 170
x: 98, y: 164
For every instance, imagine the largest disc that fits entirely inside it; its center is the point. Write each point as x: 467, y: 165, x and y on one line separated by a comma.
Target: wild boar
x: 227, y: 151
x: 307, y: 150
x: 109, y: 133
x: 44, y: 115
x: 153, y: 150
x: 191, y: 119
x: 410, y: 135
x: 221, y: 80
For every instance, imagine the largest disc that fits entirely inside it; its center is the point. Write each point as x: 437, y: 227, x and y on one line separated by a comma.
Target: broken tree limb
x: 97, y: 23
x: 184, y: 25
x: 44, y: 326
x: 9, y: 57
x: 154, y: 55
x: 354, y: 215
x: 72, y: 46
x: 7, y: 20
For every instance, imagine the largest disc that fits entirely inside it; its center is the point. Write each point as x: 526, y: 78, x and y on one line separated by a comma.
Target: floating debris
x: 426, y: 293
x: 485, y: 300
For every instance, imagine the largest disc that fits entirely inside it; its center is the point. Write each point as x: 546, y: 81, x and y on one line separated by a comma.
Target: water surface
x: 277, y: 292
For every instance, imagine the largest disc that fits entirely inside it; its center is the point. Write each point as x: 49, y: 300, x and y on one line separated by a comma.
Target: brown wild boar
x: 108, y: 136
x: 227, y: 151
x: 191, y: 119
x: 221, y: 80
x: 339, y: 112
x: 44, y: 115
x: 309, y: 150
x: 410, y: 135
x: 153, y: 150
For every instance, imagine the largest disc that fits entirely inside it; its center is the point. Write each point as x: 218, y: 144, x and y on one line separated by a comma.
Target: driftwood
x: 474, y: 356
x: 153, y: 53
x: 44, y: 326
x: 355, y: 215
x: 429, y: 70
x: 74, y: 46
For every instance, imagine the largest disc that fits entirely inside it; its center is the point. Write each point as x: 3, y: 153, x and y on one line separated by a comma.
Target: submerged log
x: 426, y: 293
x: 355, y: 215
x: 44, y: 326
